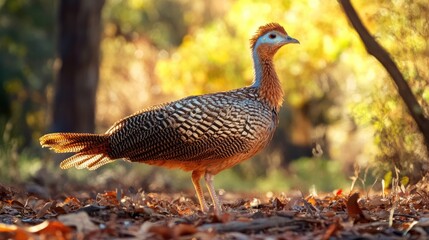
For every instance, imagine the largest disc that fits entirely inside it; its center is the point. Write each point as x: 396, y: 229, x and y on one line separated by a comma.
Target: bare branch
x: 376, y: 50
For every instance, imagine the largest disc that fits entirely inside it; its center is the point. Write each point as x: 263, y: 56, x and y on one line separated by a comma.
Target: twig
x: 255, y: 225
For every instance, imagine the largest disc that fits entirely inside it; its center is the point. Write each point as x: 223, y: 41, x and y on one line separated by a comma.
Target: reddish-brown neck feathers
x: 270, y: 88
x: 265, y: 29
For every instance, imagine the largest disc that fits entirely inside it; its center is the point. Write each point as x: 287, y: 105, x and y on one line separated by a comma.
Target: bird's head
x: 268, y: 39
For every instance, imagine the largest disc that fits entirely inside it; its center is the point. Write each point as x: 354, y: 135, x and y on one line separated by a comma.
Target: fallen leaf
x: 174, y: 232
x: 162, y: 231
x: 332, y: 229
x: 311, y: 200
x: 16, y: 204
x: 80, y: 220
x: 226, y: 217
x: 277, y: 204
x: 108, y: 198
x: 71, y: 200
x: 7, y: 227
x: 183, y: 229
x: 12, y: 231
x: 51, y: 228
x: 354, y: 210
x: 59, y: 210
x: 42, y: 212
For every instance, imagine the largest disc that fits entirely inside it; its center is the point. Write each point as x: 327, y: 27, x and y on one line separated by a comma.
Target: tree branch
x: 376, y: 50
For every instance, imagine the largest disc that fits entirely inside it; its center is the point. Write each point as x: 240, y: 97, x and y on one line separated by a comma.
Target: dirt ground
x: 135, y: 214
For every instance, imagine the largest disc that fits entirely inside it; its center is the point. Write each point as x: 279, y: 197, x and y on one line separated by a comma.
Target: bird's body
x: 204, y: 134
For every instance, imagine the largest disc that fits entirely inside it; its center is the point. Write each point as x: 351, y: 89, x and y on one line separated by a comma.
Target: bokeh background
x: 342, y: 119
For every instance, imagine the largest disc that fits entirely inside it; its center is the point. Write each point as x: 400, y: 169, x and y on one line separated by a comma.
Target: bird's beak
x: 289, y: 39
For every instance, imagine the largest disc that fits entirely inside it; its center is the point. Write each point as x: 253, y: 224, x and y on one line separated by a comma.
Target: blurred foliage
x: 402, y: 28
x: 135, y: 17
x: 164, y: 23
x: 26, y: 60
x: 15, y: 164
x: 157, y: 51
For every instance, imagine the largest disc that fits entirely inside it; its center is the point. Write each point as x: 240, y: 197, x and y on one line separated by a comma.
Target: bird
x: 202, y: 134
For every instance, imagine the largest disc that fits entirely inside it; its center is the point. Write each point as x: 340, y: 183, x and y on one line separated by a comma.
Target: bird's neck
x: 267, y: 81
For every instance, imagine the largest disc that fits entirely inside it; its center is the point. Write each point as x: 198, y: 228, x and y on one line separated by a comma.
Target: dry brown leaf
x: 80, y: 220
x: 71, y: 200
x: 162, y: 231
x: 174, y: 232
x: 183, y: 229
x: 42, y: 212
x: 151, y: 215
x: 59, y: 209
x: 354, y: 210
x: 8, y: 231
x: 108, y: 198
x: 277, y: 204
x: 16, y: 204
x: 223, y: 217
x: 332, y: 229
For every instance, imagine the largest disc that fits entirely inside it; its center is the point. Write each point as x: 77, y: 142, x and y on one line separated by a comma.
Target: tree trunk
x: 79, y: 50
x: 376, y: 50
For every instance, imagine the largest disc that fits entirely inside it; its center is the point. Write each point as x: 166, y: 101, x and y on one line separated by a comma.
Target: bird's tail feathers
x: 91, y: 149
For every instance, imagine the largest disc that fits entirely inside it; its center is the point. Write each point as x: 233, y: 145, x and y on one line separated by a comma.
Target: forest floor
x: 135, y: 214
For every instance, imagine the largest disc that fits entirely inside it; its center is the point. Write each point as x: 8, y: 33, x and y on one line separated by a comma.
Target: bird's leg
x: 196, y: 176
x: 216, y: 203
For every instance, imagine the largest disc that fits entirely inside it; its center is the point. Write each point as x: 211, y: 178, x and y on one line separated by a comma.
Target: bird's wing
x: 115, y: 127
x: 201, y: 127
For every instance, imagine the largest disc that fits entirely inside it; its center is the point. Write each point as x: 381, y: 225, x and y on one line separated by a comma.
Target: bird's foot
x: 217, y: 211
x: 205, y: 208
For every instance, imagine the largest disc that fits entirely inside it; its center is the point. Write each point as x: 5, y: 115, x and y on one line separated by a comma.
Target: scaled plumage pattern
x: 204, y: 134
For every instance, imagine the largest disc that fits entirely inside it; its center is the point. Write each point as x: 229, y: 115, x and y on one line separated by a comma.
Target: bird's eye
x: 272, y: 36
